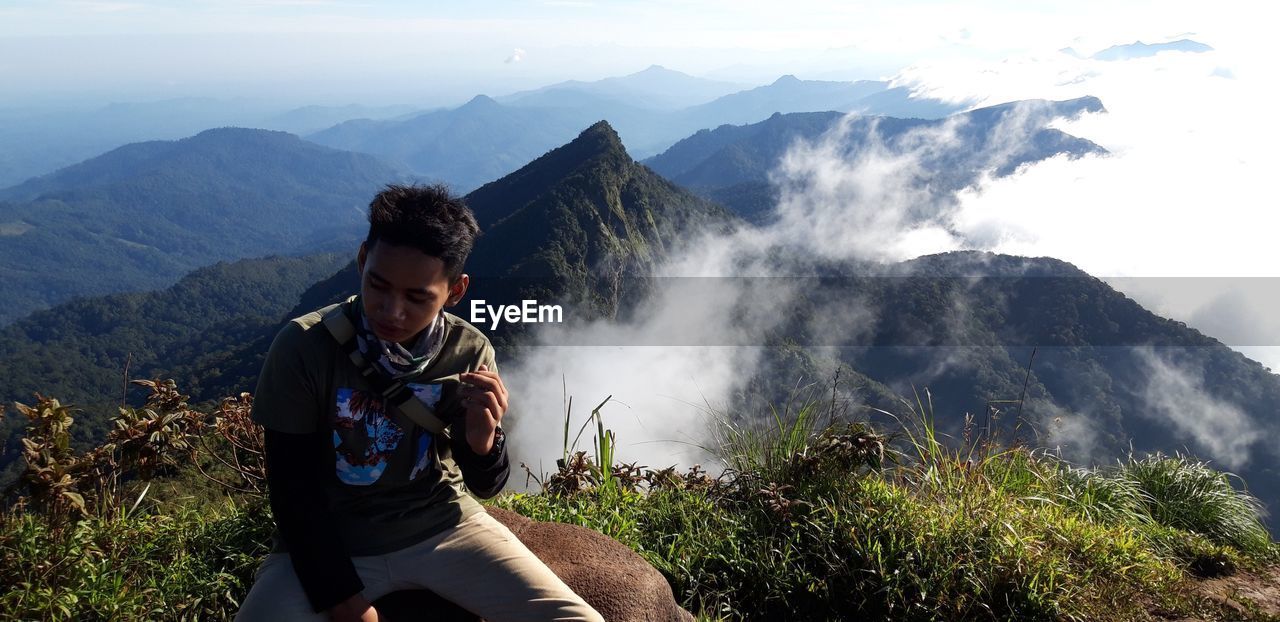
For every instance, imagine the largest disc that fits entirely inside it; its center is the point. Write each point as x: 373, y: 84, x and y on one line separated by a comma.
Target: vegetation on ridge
x: 814, y: 518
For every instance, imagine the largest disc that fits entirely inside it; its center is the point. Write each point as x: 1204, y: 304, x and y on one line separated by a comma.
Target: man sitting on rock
x: 376, y: 412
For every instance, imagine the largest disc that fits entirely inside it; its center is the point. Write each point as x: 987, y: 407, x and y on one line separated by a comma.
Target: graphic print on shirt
x: 365, y: 437
x: 430, y: 395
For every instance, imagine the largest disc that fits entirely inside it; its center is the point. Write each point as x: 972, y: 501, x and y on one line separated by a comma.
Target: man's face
x: 403, y: 290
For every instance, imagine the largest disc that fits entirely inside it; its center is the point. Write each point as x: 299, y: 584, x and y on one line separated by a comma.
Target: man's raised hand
x: 485, y: 400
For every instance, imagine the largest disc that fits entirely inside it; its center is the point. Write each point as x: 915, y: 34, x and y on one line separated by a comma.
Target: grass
x: 811, y: 521
x: 1189, y: 495
x: 815, y: 522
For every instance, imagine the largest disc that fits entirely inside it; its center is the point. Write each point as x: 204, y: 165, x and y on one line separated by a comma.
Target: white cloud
x: 517, y: 55
x: 1187, y: 191
x: 860, y: 205
x: 1176, y: 396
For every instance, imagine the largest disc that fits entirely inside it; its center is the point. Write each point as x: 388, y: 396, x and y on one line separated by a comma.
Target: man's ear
x: 457, y: 290
x: 361, y: 255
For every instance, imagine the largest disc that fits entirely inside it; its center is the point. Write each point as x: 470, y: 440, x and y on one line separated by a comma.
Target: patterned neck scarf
x: 392, y: 359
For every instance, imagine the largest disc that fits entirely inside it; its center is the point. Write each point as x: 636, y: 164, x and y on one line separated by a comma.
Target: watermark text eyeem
x: 527, y: 312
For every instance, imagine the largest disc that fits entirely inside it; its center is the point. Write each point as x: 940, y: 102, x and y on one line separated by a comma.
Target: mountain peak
x: 786, y: 80
x: 600, y: 137
x: 240, y: 133
x: 480, y: 102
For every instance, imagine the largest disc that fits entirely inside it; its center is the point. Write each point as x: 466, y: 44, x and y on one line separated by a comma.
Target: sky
x: 442, y: 53
x: 1180, y: 216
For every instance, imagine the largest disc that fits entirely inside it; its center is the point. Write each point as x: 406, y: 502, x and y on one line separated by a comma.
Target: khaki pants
x: 479, y: 564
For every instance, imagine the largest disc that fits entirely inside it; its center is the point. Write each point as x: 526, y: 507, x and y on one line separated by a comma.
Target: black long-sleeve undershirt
x: 295, y: 464
x: 484, y: 475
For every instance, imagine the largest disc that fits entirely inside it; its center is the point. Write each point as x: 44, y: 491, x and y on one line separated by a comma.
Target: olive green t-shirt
x: 392, y: 483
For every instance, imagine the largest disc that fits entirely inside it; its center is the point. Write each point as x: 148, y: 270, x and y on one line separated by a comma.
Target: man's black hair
x: 427, y: 218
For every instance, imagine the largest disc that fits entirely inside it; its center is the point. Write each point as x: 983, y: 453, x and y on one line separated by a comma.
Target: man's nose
x: 394, y: 307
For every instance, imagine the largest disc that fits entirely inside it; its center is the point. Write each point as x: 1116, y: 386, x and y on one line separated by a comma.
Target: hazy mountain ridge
x: 1138, y: 49
x: 792, y: 95
x: 141, y: 216
x: 42, y: 140
x: 465, y: 146
x: 655, y: 87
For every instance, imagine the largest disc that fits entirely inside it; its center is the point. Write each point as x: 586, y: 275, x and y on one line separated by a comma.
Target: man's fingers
x: 478, y: 377
x: 491, y: 383
x: 475, y: 398
x: 488, y: 401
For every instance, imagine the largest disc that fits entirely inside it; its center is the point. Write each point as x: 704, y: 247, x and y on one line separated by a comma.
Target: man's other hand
x: 485, y: 399
x: 354, y: 609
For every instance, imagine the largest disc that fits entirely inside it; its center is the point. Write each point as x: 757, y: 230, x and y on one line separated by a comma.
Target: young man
x: 367, y: 498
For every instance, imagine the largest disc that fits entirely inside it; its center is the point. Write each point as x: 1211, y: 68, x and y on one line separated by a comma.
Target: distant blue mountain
x: 465, y: 146
x: 308, y: 119
x: 1138, y: 49
x: 655, y: 88
x: 791, y: 94
x: 39, y: 141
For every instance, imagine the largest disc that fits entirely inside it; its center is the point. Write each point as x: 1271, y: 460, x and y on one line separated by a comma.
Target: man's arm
x: 295, y: 487
x: 484, y: 475
x: 478, y: 447
x: 299, y: 459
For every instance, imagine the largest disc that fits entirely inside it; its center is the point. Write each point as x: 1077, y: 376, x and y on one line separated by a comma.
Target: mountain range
x: 486, y: 138
x: 651, y: 109
x: 1138, y: 49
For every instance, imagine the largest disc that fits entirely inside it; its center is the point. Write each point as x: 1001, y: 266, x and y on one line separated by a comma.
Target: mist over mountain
x: 1058, y: 358
x: 732, y: 164
x: 142, y: 215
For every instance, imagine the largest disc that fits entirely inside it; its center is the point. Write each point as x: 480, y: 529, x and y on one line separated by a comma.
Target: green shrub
x: 185, y: 565
x: 1192, y: 496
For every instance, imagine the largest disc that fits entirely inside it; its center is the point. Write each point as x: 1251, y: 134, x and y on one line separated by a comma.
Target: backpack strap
x: 394, y: 392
